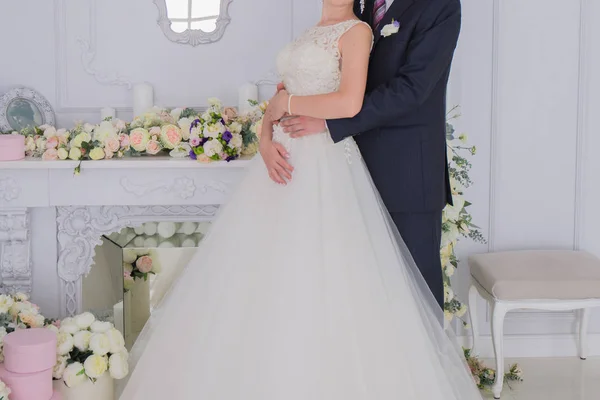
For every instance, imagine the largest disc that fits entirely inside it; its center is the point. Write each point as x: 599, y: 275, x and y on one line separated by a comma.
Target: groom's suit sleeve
x: 429, y: 54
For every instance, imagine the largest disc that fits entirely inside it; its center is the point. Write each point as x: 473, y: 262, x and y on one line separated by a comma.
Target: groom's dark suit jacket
x: 401, y: 129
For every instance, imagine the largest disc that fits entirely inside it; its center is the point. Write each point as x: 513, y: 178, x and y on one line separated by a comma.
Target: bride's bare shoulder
x: 360, y: 33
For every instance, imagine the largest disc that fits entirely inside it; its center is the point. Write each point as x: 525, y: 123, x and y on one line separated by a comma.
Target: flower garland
x: 456, y: 219
x: 217, y: 134
x: 17, y: 312
x: 485, y: 377
x: 138, y: 265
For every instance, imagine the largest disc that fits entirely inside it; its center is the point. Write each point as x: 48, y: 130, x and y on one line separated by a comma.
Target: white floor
x: 554, y: 379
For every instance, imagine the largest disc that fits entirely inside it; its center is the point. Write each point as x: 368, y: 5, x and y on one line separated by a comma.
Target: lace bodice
x: 311, y: 64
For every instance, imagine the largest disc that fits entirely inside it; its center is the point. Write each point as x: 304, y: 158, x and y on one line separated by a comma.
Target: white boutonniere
x: 390, y: 29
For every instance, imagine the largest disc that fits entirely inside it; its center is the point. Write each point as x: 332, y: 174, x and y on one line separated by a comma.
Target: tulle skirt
x: 301, y: 292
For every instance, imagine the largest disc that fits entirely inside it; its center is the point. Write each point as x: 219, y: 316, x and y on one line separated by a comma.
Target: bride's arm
x: 355, y: 47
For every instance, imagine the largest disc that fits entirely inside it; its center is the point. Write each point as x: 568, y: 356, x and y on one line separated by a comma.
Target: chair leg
x: 584, y: 320
x: 499, y: 311
x: 473, y: 295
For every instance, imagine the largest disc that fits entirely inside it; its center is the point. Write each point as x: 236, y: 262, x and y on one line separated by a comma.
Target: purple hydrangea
x: 193, y: 155
x: 227, y: 136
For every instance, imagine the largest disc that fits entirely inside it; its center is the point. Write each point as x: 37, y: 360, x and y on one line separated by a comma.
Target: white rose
x: 118, y: 366
x: 99, y: 344
x: 185, y: 124
x: 49, y: 132
x: 101, y: 327
x: 450, y: 236
x: 40, y: 143
x: 104, y: 131
x: 84, y: 320
x: 176, y: 113
x: 89, y: 128
x: 62, y: 153
x: 213, y: 130
x: 235, y: 127
x: 30, y: 144
x: 390, y: 29
x: 53, y: 328
x: 4, y: 391
x: 81, y: 340
x: 212, y: 147
x: 128, y: 268
x: 129, y: 256
x: 115, y: 338
x: 73, y: 375
x: 448, y: 293
x: 59, y: 367
x: 95, y: 366
x: 64, y: 343
x: 215, y: 102
x: 450, y: 270
x: 6, y: 303
x: 70, y: 327
x: 236, y: 141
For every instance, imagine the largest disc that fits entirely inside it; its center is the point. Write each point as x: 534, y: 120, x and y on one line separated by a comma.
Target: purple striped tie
x: 378, y: 12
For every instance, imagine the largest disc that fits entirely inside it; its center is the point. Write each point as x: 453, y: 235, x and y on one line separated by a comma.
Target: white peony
x: 185, y: 125
x: 116, y: 340
x: 176, y: 113
x: 236, y: 141
x: 49, y: 132
x: 59, y: 367
x: 235, y: 127
x: 73, y: 375
x: 84, y: 320
x: 89, y: 128
x: 118, y: 366
x: 95, y: 366
x: 101, y: 327
x: 104, y: 131
x: 212, y: 147
x: 81, y: 340
x: 69, y: 326
x: 64, y: 343
x: 129, y: 256
x: 6, y: 303
x: 100, y: 344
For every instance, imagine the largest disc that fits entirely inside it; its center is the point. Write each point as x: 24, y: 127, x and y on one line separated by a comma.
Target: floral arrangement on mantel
x: 217, y: 134
x: 4, y: 391
x: 138, y: 265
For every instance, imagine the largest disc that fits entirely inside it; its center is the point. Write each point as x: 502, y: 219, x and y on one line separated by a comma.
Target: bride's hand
x: 278, y: 105
x: 274, y: 155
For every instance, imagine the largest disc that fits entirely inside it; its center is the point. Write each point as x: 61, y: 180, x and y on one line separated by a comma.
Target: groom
x: 401, y: 129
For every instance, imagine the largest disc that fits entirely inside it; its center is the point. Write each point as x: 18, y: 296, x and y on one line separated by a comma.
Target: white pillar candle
x: 143, y: 98
x: 107, y: 112
x: 118, y: 317
x: 247, y: 91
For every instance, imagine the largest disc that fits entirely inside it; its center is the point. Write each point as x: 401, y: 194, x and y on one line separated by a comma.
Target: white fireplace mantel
x: 107, y: 196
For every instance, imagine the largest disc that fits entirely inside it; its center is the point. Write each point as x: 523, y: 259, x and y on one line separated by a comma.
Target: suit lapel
x: 395, y: 11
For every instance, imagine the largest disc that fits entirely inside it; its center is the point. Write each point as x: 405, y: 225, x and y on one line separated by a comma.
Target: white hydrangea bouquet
x: 138, y: 265
x: 87, y: 349
x: 17, y: 312
x: 4, y: 391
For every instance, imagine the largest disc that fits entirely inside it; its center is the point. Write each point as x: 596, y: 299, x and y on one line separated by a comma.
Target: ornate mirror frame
x: 193, y: 37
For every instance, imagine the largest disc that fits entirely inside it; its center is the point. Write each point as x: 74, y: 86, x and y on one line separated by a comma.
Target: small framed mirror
x: 193, y: 22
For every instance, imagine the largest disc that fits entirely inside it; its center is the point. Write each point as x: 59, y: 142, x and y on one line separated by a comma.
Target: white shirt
x: 388, y: 3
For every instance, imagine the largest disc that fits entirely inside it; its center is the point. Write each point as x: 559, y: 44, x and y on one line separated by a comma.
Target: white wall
x: 76, y: 52
x: 529, y: 83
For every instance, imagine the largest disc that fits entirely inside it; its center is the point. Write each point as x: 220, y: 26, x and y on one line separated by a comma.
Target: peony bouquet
x: 17, y: 312
x: 87, y: 349
x: 138, y: 264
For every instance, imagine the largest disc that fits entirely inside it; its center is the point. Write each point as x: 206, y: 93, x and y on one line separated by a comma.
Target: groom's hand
x: 298, y: 126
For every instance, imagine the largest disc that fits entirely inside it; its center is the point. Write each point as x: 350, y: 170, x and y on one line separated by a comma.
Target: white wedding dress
x: 304, y: 291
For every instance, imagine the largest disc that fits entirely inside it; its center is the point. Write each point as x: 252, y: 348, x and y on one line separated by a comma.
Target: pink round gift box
x: 30, y: 350
x: 36, y: 386
x: 12, y: 147
x: 56, y: 396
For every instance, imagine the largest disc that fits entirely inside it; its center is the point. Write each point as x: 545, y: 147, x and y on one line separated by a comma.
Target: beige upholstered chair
x: 543, y: 280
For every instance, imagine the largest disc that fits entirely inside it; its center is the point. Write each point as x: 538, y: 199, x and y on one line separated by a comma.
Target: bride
x: 303, y: 290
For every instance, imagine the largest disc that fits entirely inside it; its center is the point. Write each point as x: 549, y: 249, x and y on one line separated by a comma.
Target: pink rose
x: 203, y: 158
x: 112, y: 144
x: 108, y: 153
x: 50, y: 155
x: 144, y: 264
x: 138, y: 139
x: 153, y: 147
x: 63, y: 140
x: 229, y: 113
x: 155, y: 130
x: 52, y: 142
x: 120, y: 125
x: 124, y: 139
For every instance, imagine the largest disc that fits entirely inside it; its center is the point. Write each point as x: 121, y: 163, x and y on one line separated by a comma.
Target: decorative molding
x: 270, y: 78
x: 181, y: 187
x: 80, y: 229
x: 15, y: 251
x: 582, y: 111
x: 9, y: 189
x: 88, y: 55
x: 193, y: 37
